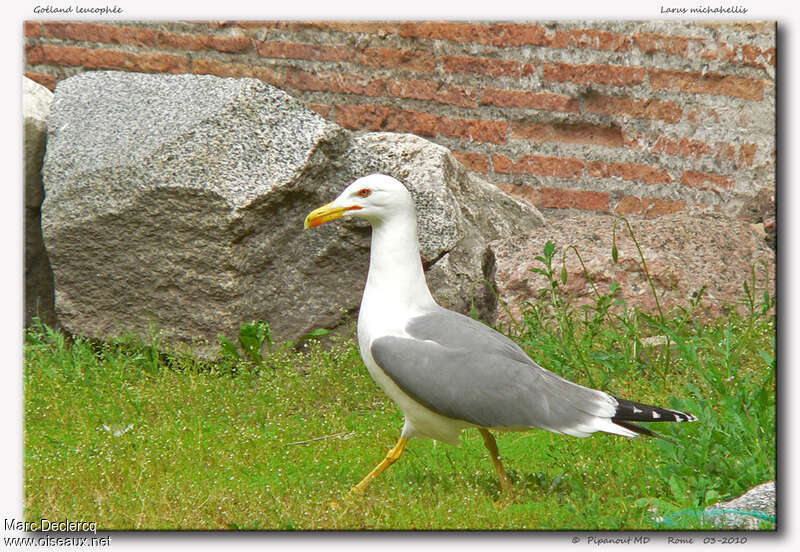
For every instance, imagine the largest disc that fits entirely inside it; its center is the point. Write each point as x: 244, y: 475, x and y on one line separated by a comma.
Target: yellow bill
x: 326, y: 213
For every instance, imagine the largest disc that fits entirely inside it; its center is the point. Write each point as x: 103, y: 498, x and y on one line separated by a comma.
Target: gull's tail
x: 630, y: 411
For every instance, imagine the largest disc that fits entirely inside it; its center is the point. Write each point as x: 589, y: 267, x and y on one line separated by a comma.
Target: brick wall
x: 623, y: 117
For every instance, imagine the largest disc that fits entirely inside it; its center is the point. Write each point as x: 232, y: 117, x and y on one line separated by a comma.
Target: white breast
x: 420, y: 421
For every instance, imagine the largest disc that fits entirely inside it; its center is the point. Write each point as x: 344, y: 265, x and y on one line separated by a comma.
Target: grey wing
x: 464, y: 370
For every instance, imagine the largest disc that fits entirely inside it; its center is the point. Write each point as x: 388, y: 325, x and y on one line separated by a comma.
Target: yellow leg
x: 390, y: 459
x: 491, y: 444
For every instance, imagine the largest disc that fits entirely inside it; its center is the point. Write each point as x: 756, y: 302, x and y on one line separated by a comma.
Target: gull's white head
x: 374, y: 198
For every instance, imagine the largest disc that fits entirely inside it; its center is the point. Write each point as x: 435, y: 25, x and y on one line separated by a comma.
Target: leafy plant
x: 253, y: 336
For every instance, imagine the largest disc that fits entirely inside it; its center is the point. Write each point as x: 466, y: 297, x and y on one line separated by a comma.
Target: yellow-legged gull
x: 446, y: 371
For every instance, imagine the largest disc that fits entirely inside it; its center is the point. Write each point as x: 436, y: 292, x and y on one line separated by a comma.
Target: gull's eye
x: 364, y: 192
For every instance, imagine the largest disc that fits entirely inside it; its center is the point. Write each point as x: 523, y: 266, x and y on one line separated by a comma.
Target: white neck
x: 395, y: 268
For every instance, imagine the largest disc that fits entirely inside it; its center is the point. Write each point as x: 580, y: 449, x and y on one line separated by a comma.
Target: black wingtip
x: 630, y: 411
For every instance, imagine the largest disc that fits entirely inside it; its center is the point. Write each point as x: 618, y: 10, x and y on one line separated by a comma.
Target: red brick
x: 457, y: 95
x: 411, y: 60
x: 134, y: 36
x: 321, y: 109
x: 237, y: 70
x: 302, y: 80
x: 682, y: 147
x: 486, y: 66
x: 636, y: 109
x: 629, y: 171
x: 177, y: 41
x: 592, y: 39
x: 108, y: 34
x: 526, y: 193
x: 660, y: 144
x: 577, y: 133
x: 32, y: 29
x: 231, y: 44
x: 704, y: 116
x: 650, y: 43
x: 756, y: 57
x: 364, y: 117
x: 628, y: 205
x: 559, y: 167
x: 706, y: 181
x: 707, y: 83
x: 313, y: 52
x: 420, y: 123
x: 457, y: 32
x: 341, y: 83
x: 616, y: 75
x: 555, y: 198
x: 411, y: 88
x: 725, y: 152
x: 512, y: 34
x: 432, y: 91
x: 476, y: 162
x: 371, y: 117
x: 48, y: 81
x: 529, y: 100
x: 102, y: 59
x: 647, y: 206
x: 655, y: 207
x: 747, y: 153
x: 34, y: 54
x: 72, y: 56
x: 157, y: 63
x: 475, y: 130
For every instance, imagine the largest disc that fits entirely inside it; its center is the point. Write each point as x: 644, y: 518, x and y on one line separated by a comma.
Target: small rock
x: 747, y: 511
x: 760, y: 209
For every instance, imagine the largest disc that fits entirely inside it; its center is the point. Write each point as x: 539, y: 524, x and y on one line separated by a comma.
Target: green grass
x: 127, y: 434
